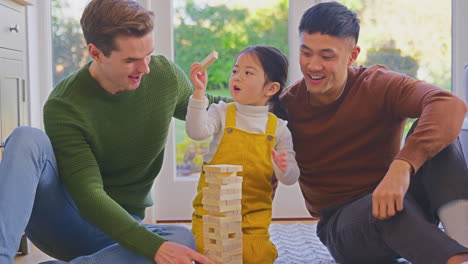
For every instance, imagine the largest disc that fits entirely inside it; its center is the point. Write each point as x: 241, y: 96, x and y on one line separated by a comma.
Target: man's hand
x: 281, y: 159
x: 388, y: 197
x: 199, y: 80
x: 173, y: 253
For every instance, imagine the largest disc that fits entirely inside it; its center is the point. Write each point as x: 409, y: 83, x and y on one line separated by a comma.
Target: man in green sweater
x: 108, y: 125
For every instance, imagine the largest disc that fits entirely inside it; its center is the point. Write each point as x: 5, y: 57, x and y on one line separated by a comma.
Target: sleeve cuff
x: 199, y: 104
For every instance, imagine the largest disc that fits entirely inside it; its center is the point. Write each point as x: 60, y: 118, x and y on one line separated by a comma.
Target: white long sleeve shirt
x: 201, y: 124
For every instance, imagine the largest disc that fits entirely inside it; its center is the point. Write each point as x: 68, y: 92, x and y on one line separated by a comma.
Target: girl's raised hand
x: 281, y: 159
x: 199, y: 81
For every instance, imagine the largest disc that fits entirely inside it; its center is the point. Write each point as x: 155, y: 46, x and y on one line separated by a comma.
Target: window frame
x: 459, y: 50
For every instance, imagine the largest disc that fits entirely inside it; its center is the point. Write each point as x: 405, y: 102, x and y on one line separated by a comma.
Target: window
x: 202, y: 26
x: 411, y: 37
x: 69, y: 52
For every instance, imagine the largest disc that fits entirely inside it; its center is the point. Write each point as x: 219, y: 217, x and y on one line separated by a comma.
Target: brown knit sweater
x: 345, y: 148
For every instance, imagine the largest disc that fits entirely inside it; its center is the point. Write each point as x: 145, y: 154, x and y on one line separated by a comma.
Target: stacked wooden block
x: 222, y: 226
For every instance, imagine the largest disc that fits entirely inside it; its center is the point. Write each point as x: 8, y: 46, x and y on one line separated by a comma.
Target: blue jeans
x: 33, y: 200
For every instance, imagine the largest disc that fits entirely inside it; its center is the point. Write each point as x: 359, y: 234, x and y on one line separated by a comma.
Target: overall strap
x: 271, y: 125
x: 231, y: 115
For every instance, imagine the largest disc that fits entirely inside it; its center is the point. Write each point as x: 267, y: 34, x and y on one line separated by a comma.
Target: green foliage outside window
x: 202, y: 29
x: 189, y: 156
x: 69, y: 47
x: 393, y: 59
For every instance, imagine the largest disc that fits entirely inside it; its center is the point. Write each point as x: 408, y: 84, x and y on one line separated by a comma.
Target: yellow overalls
x: 253, y: 152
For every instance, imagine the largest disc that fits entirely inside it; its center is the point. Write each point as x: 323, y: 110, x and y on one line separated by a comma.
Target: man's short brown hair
x: 103, y: 20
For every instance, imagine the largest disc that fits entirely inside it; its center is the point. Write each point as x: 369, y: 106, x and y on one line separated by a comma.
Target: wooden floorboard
x: 35, y: 256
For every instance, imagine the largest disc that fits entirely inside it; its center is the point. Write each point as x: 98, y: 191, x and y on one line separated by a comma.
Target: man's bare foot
x: 458, y: 259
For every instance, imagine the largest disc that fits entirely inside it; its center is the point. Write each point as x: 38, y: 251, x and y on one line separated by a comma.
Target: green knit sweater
x: 110, y: 148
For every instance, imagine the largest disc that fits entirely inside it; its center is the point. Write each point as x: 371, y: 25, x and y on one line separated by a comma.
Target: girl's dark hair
x: 275, y: 65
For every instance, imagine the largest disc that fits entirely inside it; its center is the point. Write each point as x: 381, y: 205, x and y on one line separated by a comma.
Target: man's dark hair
x: 330, y: 18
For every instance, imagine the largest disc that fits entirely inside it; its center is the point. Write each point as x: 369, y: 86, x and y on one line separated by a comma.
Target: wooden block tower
x: 222, y: 226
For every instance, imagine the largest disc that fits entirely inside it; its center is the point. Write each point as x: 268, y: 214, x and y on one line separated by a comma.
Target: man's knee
x: 27, y: 136
x: 407, y: 219
x: 183, y: 236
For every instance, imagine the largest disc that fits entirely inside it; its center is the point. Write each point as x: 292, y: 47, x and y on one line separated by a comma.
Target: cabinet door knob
x: 14, y: 28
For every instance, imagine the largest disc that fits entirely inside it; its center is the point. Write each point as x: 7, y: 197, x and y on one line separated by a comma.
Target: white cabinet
x: 12, y: 96
x: 14, y: 110
x: 14, y: 99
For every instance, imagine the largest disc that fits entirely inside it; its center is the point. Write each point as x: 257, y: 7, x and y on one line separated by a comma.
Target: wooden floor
x: 35, y: 255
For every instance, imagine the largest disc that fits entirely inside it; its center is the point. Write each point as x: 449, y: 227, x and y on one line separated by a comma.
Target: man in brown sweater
x: 376, y: 201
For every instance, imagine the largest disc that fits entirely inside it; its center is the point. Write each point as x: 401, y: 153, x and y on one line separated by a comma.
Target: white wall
x: 288, y: 202
x: 39, y: 58
x: 296, y: 10
x: 459, y: 46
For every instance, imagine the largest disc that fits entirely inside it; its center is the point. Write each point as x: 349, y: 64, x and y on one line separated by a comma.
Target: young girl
x: 245, y: 133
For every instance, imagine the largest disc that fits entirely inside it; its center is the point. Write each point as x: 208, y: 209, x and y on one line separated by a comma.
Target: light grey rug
x: 297, y: 244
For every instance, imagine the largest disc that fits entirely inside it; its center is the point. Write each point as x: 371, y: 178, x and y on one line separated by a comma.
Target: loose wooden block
x: 213, y: 209
x: 235, y: 242
x: 233, y: 202
x: 224, y: 206
x: 219, y: 191
x: 225, y: 259
x: 223, y: 180
x: 231, y: 257
x: 210, y: 59
x: 222, y: 197
x: 221, y: 174
x: 217, y: 232
x: 221, y: 236
x: 236, y: 258
x: 222, y: 168
x: 221, y: 220
x: 223, y: 245
x: 217, y: 253
x: 235, y: 185
x: 223, y: 214
x: 221, y: 194
x: 230, y: 188
x: 222, y: 231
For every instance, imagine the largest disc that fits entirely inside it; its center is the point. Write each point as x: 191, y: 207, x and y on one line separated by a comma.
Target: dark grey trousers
x: 353, y: 235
